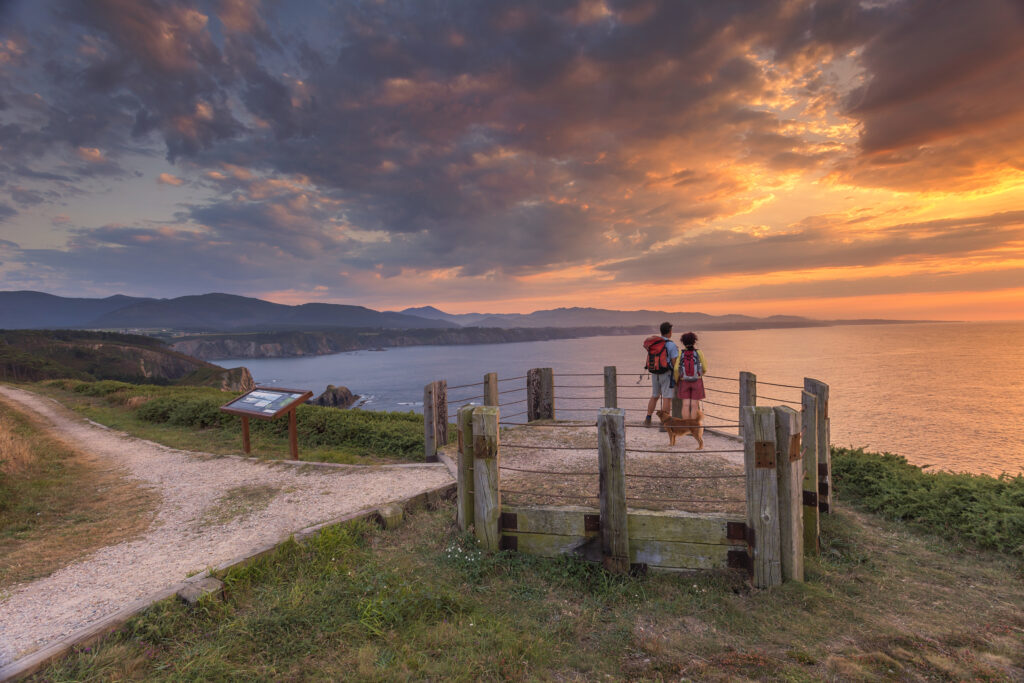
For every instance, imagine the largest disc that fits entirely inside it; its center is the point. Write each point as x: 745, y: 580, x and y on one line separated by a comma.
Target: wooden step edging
x: 33, y: 662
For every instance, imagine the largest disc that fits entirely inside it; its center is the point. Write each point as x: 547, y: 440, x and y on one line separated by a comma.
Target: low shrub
x: 381, y: 433
x: 975, y: 509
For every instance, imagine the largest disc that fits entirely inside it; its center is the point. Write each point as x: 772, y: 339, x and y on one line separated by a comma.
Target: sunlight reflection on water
x: 947, y: 394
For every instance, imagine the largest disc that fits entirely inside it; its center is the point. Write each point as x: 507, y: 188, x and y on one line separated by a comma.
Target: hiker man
x: 661, y: 355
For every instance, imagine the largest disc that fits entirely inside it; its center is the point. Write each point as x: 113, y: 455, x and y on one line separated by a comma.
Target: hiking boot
x: 647, y: 421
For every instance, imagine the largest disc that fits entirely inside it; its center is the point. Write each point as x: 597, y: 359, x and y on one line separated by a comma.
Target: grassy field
x: 421, y: 602
x: 56, y: 503
x: 189, y: 418
x: 920, y: 578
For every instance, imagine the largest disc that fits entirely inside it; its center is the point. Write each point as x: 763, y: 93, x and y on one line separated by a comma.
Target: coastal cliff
x: 295, y: 344
x: 33, y: 355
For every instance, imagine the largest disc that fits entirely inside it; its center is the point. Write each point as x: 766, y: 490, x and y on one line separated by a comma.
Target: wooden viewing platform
x: 611, y: 490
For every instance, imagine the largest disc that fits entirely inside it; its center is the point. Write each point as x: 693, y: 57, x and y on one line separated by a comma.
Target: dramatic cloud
x: 431, y: 152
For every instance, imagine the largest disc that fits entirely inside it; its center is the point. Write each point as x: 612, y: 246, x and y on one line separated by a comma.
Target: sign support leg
x: 293, y: 440
x: 245, y: 434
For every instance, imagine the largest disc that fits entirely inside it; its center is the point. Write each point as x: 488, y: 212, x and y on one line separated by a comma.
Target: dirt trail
x: 191, y: 528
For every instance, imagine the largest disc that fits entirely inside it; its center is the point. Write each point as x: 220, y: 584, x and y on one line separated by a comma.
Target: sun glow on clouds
x: 800, y: 157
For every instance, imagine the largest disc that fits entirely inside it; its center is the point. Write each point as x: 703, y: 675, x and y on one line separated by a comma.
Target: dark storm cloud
x: 821, y: 243
x: 6, y: 212
x: 945, y: 94
x: 511, y: 137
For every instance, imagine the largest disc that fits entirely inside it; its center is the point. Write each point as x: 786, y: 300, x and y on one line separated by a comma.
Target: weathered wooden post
x: 748, y: 393
x: 430, y: 420
x: 611, y: 389
x: 441, y: 413
x: 491, y: 389
x: 820, y: 391
x: 762, y: 495
x: 611, y: 458
x: 790, y: 472
x: 540, y: 394
x: 486, y: 494
x: 809, y: 454
x: 677, y: 407
x: 464, y: 496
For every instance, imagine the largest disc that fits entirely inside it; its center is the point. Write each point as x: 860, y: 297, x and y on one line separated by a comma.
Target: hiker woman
x: 688, y: 372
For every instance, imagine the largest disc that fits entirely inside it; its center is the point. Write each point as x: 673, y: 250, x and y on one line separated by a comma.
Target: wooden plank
x: 824, y: 450
x: 669, y: 555
x: 611, y: 459
x: 789, y: 467
x: 762, y: 498
x: 551, y: 519
x: 464, y: 471
x: 486, y: 491
x: 680, y: 527
x: 611, y: 387
x: 668, y: 525
x: 809, y: 455
x: 491, y: 389
x: 650, y: 552
x: 748, y: 394
x: 554, y: 545
x: 429, y: 431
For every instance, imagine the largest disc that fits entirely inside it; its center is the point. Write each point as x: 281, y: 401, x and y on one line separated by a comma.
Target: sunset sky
x: 832, y: 159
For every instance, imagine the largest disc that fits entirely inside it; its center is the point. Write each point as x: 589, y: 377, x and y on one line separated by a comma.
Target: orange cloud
x: 168, y: 179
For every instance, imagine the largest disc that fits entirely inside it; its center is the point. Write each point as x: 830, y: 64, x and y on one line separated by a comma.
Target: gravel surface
x: 187, y: 535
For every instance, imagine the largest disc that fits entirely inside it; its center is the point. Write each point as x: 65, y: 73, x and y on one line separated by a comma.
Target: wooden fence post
x: 491, y: 389
x: 762, y: 495
x: 820, y: 391
x: 429, y: 426
x: 748, y: 394
x: 677, y: 407
x: 790, y: 471
x: 486, y: 491
x: 540, y: 394
x: 441, y: 413
x: 611, y: 389
x: 611, y: 458
x: 809, y: 453
x: 464, y: 501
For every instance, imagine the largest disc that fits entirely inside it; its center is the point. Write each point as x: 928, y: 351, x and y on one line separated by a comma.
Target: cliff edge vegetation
x: 34, y: 355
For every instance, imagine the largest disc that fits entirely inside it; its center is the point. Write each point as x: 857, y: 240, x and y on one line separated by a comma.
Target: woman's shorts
x: 691, y: 390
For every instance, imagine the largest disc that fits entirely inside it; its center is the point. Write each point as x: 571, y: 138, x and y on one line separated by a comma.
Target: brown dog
x: 676, y: 426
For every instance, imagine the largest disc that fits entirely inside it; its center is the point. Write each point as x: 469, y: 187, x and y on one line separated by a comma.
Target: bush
x: 103, y: 388
x: 984, y: 511
x: 380, y: 433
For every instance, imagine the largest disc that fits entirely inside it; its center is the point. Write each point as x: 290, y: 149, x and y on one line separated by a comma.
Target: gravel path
x: 182, y: 538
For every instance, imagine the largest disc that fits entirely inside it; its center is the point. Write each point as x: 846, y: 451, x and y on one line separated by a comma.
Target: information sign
x: 266, y: 403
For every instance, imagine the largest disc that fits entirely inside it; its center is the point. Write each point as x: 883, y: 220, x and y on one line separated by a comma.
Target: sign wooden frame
x: 288, y: 407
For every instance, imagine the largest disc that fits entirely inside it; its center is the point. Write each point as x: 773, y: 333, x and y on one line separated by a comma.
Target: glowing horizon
x: 831, y: 160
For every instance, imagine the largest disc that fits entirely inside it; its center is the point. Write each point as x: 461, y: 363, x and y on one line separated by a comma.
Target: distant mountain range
x: 599, y: 317
x: 206, y: 313
x: 201, y: 313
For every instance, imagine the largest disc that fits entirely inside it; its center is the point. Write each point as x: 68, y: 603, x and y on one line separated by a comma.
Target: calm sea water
x: 949, y: 395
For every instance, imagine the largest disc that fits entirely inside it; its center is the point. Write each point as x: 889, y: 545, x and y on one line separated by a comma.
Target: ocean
x: 947, y: 395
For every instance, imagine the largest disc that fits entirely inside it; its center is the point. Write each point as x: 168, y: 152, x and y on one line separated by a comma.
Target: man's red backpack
x: 657, y: 355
